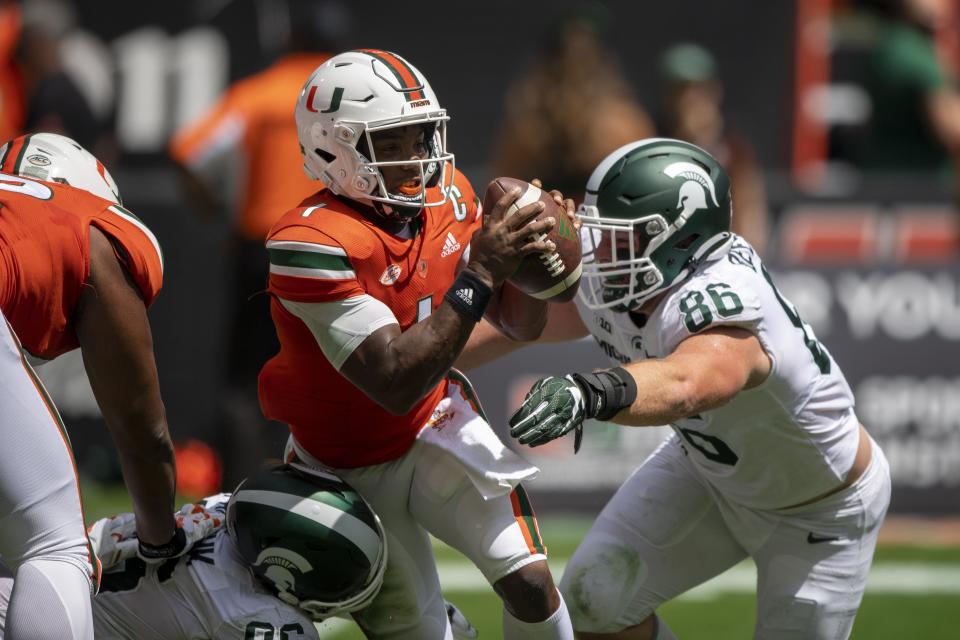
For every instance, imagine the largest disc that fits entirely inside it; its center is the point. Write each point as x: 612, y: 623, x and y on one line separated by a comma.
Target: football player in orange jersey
x: 76, y: 270
x: 376, y: 282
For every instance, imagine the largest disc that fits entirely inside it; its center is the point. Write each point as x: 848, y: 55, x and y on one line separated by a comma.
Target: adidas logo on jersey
x: 466, y: 295
x: 450, y: 245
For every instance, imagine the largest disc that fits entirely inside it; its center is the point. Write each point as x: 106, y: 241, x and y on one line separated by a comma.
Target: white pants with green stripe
x: 430, y: 489
x: 41, y: 521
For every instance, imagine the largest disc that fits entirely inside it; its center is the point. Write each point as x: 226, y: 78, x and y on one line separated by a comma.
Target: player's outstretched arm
x: 704, y: 372
x: 117, y: 348
x: 396, y: 369
x: 487, y: 343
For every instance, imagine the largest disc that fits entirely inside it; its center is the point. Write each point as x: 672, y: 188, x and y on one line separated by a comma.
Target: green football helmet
x: 654, y: 210
x: 310, y: 538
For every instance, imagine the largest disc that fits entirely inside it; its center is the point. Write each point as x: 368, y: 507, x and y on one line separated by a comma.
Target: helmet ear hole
x: 687, y: 242
x: 364, y: 149
x: 326, y: 155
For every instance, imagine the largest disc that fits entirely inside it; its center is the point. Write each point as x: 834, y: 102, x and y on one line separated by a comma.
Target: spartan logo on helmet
x: 278, y: 565
x: 693, y: 192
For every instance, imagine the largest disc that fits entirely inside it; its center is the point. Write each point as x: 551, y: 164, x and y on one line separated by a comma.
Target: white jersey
x: 791, y: 438
x: 208, y: 593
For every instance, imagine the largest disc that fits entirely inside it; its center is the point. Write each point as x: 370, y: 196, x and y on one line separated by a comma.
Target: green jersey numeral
x: 697, y: 314
x: 820, y: 355
x: 258, y: 631
x: 712, y: 447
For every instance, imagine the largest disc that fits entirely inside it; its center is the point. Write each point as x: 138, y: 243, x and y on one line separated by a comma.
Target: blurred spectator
x: 915, y: 124
x: 691, y: 109
x: 54, y: 102
x: 569, y: 110
x: 243, y: 156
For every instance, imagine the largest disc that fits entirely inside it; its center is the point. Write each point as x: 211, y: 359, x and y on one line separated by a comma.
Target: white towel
x: 456, y: 428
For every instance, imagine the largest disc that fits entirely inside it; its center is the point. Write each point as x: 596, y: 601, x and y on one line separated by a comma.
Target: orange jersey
x: 254, y: 121
x: 45, y: 258
x: 325, y: 251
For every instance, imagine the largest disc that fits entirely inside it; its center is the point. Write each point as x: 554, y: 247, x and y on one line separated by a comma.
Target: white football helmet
x: 54, y: 158
x: 359, y: 93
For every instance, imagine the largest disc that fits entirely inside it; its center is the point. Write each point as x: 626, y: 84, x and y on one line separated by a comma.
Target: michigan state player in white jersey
x: 767, y: 458
x: 299, y: 546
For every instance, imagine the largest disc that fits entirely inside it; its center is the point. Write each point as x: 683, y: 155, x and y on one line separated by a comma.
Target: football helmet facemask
x: 54, y: 158
x: 653, y: 211
x: 310, y: 538
x: 346, y: 103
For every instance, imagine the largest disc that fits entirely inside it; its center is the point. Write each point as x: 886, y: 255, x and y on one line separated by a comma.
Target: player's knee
x: 598, y: 586
x: 73, y: 551
x: 787, y: 617
x: 529, y: 593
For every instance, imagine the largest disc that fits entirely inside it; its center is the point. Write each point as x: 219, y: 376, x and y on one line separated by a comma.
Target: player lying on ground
x: 76, y: 270
x: 376, y: 281
x: 298, y: 546
x: 768, y: 459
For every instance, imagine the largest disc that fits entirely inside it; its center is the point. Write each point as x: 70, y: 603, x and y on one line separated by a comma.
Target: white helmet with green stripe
x: 654, y: 210
x: 54, y: 158
x: 353, y: 96
x: 310, y: 538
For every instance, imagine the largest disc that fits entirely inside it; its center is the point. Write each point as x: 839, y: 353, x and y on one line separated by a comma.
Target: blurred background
x: 839, y: 121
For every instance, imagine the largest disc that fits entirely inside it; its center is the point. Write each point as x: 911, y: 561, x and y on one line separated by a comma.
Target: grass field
x: 914, y: 591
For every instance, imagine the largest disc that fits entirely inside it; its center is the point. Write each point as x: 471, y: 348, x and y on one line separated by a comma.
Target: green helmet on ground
x: 654, y: 210
x: 309, y: 537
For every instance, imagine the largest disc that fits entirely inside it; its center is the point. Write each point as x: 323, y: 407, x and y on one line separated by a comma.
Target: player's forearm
x: 516, y: 315
x: 149, y: 471
x: 665, y: 393
x: 421, y: 356
x: 682, y: 385
x: 486, y: 344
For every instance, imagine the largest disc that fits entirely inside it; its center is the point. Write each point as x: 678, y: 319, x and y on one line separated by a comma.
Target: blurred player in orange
x: 76, y: 270
x: 243, y: 154
x: 12, y: 100
x: 376, y: 282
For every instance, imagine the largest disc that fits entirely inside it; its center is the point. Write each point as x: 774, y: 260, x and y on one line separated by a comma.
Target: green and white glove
x: 553, y: 407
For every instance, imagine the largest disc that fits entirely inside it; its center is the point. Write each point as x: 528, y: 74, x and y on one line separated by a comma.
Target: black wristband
x: 469, y: 295
x: 606, y: 392
x: 167, y: 550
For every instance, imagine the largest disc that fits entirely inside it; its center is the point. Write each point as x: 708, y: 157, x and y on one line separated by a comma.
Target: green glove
x: 553, y: 407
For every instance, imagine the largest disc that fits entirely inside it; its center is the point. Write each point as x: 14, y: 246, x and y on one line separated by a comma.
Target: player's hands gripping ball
x: 553, y: 407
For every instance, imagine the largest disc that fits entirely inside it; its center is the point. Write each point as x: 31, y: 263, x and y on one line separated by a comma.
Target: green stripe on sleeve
x: 308, y: 260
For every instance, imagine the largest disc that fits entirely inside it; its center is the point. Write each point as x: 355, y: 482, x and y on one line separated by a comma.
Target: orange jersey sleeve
x: 308, y: 265
x: 136, y: 248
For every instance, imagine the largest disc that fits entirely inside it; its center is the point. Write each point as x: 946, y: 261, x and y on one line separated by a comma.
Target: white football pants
x: 42, y: 531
